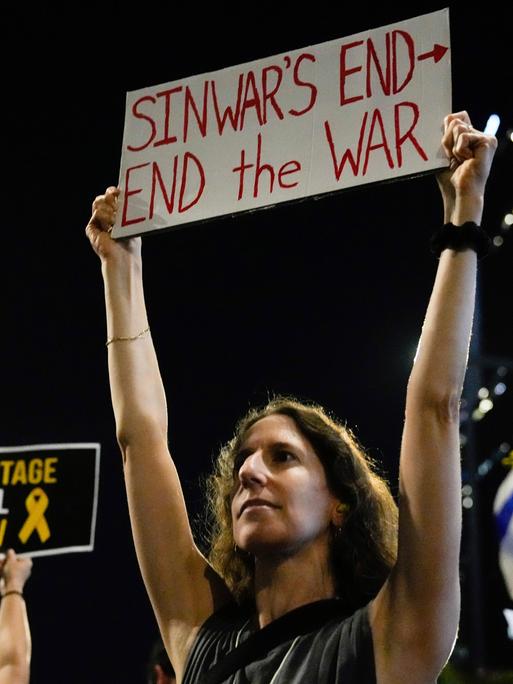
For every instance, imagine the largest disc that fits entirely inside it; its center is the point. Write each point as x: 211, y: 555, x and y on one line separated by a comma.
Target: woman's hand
x: 470, y: 153
x: 14, y: 572
x: 99, y: 229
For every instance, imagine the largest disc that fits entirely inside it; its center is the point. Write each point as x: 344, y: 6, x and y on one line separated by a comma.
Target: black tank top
x: 338, y: 652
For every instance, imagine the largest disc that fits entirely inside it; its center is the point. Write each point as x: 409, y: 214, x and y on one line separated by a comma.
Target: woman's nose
x: 253, y: 470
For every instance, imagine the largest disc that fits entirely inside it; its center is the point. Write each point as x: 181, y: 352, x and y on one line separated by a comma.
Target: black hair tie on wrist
x: 468, y: 235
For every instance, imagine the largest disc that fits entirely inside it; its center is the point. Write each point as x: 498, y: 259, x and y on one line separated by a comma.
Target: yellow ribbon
x: 36, y: 504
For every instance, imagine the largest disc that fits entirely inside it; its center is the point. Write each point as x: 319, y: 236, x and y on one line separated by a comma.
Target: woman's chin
x: 261, y: 545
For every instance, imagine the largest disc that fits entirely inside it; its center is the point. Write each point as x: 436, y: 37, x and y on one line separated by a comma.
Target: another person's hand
x: 99, y: 228
x: 14, y: 572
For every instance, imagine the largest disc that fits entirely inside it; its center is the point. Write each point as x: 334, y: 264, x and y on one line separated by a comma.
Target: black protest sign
x: 48, y: 497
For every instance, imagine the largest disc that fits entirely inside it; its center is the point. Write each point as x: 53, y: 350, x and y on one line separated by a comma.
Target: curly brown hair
x: 362, y: 553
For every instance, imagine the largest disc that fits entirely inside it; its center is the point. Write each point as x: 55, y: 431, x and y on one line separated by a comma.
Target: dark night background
x: 321, y: 299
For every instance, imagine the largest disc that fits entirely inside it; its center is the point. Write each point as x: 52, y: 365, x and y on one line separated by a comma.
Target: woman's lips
x: 256, y: 503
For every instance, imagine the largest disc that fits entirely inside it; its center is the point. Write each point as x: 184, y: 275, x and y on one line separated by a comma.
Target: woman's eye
x: 284, y: 456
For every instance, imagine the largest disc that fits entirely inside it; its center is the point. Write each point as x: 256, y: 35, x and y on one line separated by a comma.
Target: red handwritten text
x: 373, y: 136
x: 385, y: 69
x: 259, y: 167
x: 256, y: 96
x: 187, y: 171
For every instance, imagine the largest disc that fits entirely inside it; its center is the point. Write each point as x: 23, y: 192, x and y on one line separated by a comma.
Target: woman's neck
x: 283, y: 583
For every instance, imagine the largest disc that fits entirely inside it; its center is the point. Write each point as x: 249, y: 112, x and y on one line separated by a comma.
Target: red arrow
x: 437, y: 53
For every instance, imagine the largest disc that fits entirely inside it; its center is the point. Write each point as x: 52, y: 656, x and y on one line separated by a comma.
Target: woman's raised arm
x: 182, y: 587
x: 15, y: 640
x: 415, y: 617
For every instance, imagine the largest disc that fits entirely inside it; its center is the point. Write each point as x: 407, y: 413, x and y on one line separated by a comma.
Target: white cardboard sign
x: 360, y: 109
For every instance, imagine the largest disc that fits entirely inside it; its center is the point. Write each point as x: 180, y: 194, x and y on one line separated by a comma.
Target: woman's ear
x: 340, y: 514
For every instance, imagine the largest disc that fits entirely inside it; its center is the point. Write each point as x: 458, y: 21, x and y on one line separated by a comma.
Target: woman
x: 287, y: 505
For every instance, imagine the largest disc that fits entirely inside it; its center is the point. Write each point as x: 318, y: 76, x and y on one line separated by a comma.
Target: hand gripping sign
x: 48, y: 498
x: 361, y: 109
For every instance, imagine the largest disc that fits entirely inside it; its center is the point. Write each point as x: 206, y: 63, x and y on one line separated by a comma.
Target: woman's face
x: 281, y: 501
